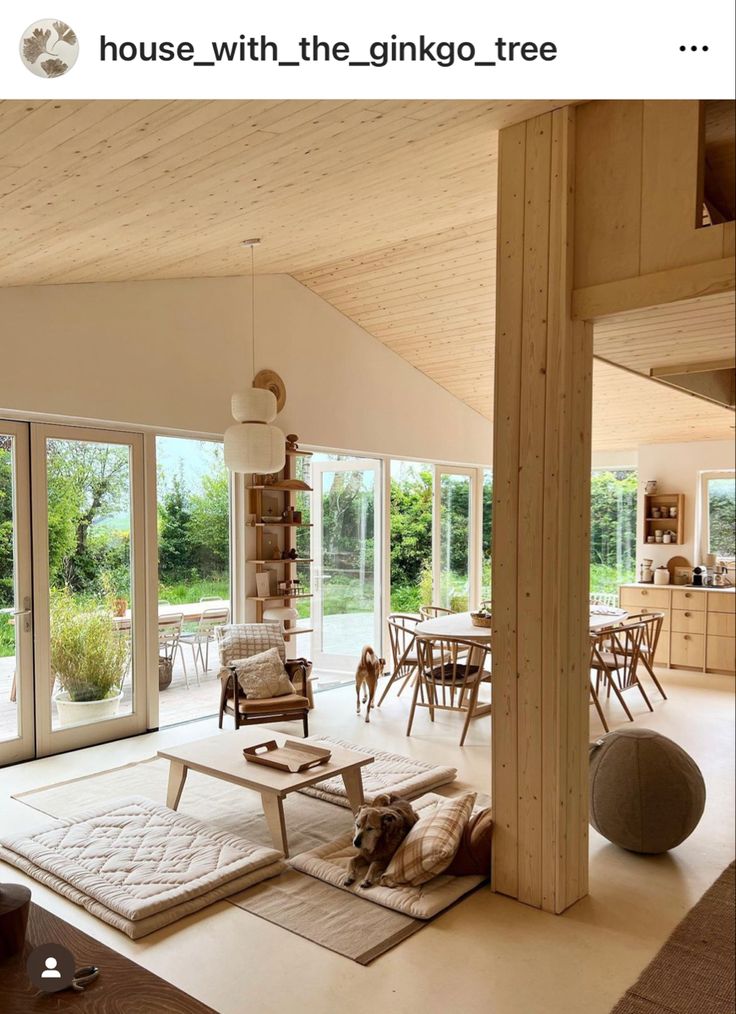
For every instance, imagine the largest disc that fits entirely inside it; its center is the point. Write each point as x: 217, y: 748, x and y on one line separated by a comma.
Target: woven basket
x: 481, y: 621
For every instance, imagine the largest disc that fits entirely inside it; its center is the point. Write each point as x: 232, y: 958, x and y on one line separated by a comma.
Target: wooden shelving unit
x: 285, y: 539
x: 663, y: 502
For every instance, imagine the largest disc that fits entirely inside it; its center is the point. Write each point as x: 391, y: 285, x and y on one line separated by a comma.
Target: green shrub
x: 7, y: 636
x: 88, y: 654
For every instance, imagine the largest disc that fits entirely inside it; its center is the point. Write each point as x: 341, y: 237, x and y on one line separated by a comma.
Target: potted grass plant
x: 89, y: 659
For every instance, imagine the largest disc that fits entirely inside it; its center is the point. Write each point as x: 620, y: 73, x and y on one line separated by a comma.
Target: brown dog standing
x: 367, y: 675
x: 379, y: 830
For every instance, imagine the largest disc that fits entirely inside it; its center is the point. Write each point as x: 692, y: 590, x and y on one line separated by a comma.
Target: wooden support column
x: 541, y: 526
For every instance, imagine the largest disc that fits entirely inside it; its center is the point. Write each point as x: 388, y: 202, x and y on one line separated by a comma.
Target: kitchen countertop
x: 677, y: 587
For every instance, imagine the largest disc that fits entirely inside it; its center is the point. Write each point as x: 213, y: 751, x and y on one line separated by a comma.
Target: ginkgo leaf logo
x: 49, y: 48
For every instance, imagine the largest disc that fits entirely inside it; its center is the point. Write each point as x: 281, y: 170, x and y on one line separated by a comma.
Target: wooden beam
x: 704, y: 279
x: 543, y: 389
x: 680, y: 368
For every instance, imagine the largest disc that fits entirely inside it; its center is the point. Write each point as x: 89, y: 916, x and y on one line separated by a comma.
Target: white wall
x: 677, y: 468
x: 168, y: 354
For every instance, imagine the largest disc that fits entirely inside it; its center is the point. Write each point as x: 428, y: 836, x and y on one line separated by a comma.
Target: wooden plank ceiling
x: 384, y: 209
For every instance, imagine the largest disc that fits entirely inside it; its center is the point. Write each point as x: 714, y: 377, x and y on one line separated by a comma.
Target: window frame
x: 703, y: 534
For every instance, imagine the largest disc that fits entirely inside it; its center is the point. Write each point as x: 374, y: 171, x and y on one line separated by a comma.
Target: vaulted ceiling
x: 385, y: 209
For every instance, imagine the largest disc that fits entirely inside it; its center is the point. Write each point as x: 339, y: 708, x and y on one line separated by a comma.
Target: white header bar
x: 381, y: 49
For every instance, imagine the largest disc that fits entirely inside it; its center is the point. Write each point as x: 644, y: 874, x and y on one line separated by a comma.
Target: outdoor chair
x: 169, y: 634
x: 200, y: 639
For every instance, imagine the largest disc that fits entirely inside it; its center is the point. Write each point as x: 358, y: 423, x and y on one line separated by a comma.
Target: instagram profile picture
x: 49, y: 48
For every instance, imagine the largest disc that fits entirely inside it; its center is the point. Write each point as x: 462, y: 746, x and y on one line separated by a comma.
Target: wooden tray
x: 293, y: 756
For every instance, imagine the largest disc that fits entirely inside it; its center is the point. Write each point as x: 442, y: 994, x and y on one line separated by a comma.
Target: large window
x: 487, y: 522
x: 455, y: 547
x: 613, y: 529
x: 718, y: 515
x: 193, y: 573
x: 411, y: 535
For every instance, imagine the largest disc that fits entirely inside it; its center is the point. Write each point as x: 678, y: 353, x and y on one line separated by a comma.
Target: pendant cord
x: 253, y: 311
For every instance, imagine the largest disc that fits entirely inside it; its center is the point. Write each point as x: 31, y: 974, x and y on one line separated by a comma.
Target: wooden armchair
x: 237, y: 641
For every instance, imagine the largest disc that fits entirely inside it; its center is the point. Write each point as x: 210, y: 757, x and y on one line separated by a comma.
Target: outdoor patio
x: 344, y: 635
x: 176, y: 703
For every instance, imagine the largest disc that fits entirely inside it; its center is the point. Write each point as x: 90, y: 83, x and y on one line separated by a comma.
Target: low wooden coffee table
x: 221, y: 756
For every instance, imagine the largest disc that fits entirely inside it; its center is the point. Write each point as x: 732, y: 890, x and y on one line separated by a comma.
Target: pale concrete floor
x: 488, y: 953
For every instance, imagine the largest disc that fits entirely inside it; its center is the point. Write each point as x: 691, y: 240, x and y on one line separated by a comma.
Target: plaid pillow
x: 241, y: 640
x: 431, y: 844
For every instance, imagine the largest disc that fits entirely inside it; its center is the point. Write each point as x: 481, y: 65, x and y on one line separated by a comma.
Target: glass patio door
x: 455, y: 562
x: 89, y: 586
x: 17, y: 733
x: 347, y: 562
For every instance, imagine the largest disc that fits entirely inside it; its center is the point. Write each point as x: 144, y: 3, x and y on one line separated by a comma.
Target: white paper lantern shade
x: 252, y: 445
x: 255, y: 405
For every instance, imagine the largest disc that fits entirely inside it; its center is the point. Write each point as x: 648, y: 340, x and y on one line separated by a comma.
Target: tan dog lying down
x: 379, y: 830
x: 370, y: 668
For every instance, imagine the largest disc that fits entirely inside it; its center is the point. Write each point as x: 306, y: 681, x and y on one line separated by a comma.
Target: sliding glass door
x: 17, y: 733
x: 455, y: 563
x: 87, y: 522
x: 347, y: 561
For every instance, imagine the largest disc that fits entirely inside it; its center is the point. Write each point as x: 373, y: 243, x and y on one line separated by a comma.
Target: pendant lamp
x: 253, y: 444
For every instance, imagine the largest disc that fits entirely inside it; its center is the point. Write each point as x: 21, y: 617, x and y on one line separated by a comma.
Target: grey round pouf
x: 646, y: 794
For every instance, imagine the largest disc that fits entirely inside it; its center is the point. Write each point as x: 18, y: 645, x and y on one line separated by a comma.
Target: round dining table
x: 459, y: 626
x: 454, y: 626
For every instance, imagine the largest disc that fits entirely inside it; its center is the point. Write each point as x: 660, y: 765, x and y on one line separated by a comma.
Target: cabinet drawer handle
x: 688, y: 595
x: 688, y: 614
x: 645, y: 592
x: 687, y: 637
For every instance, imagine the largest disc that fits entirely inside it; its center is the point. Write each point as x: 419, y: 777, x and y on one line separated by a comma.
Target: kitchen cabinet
x: 699, y: 626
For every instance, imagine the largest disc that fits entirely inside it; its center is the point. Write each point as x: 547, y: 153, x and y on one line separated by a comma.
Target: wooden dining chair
x: 402, y: 638
x: 449, y: 675
x: 615, y: 658
x: 430, y: 612
x: 595, y: 686
x: 652, y: 623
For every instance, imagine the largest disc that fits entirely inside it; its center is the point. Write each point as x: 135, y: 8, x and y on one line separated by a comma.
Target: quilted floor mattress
x: 389, y: 772
x: 137, y: 864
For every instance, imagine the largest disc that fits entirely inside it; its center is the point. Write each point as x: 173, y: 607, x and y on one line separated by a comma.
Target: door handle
x: 25, y: 611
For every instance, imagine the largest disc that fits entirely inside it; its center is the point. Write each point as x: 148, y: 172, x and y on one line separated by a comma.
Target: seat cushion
x: 263, y: 675
x: 431, y: 844
x: 271, y: 705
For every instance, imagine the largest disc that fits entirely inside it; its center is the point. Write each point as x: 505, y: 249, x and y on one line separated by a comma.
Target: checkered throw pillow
x: 241, y: 640
x: 430, y: 846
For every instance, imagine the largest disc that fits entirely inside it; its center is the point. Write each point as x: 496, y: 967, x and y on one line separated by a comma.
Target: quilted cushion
x: 429, y: 847
x: 473, y: 857
x: 263, y: 675
x: 241, y: 640
x: 137, y: 857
